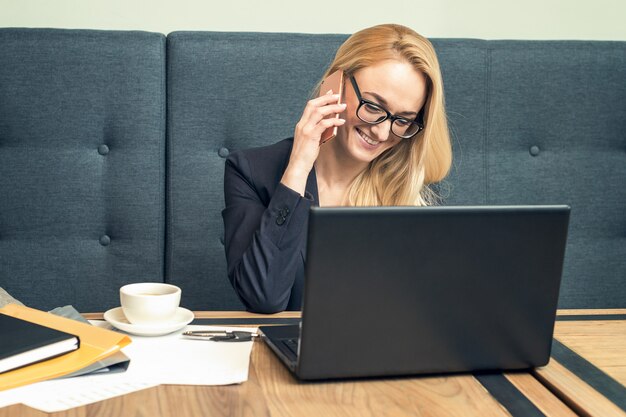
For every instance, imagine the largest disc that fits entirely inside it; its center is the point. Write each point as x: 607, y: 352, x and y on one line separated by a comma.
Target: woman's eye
x: 403, y: 122
x: 372, y: 108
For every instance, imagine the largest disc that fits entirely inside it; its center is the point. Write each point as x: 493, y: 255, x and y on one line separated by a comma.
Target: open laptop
x: 423, y: 290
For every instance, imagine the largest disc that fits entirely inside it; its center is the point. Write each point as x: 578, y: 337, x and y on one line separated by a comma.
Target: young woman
x: 392, y: 142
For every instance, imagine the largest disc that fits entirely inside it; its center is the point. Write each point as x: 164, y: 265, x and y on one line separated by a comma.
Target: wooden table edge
x: 575, y: 392
x: 297, y: 314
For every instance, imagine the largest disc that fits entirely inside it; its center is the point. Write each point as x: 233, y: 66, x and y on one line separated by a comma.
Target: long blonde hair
x: 401, y: 175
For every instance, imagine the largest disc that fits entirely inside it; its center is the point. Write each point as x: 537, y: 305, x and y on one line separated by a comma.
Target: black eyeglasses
x: 374, y: 114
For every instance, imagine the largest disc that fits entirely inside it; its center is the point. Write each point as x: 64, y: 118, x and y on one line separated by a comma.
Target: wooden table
x: 595, y: 366
x: 272, y: 391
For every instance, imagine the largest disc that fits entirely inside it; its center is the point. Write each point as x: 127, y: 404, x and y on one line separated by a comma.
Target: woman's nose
x: 381, y: 130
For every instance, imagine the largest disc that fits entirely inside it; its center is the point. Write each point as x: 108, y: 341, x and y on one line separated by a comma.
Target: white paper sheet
x: 63, y: 394
x: 169, y: 359
x: 173, y: 359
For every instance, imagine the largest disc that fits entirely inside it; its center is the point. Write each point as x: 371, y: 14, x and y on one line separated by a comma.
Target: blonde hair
x: 401, y: 175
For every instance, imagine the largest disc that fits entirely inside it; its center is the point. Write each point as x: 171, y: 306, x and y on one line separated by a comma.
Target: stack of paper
x: 169, y: 359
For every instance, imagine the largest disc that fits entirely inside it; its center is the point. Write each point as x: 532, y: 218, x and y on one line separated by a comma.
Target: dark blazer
x: 265, y: 227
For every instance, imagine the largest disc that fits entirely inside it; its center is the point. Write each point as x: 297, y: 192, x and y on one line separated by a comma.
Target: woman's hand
x: 307, y: 137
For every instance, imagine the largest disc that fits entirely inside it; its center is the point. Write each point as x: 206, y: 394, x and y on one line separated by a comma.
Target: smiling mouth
x: 367, y: 138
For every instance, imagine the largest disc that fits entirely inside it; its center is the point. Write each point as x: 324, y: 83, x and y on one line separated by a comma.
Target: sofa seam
x: 487, y: 122
x: 167, y: 177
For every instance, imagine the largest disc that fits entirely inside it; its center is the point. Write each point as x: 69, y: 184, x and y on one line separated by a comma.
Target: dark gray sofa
x: 112, y: 148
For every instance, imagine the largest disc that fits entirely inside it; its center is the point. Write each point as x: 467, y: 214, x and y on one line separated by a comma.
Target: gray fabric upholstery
x: 545, y: 123
x: 82, y: 168
x: 533, y: 122
x: 569, y: 100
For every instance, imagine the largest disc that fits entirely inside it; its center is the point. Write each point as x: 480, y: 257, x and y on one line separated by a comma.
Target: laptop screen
x: 404, y: 290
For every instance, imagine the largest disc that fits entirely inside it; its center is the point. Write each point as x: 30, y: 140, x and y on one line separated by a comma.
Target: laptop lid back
x: 411, y: 290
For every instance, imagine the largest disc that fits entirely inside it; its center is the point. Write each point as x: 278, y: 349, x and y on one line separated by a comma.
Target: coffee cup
x: 149, y: 303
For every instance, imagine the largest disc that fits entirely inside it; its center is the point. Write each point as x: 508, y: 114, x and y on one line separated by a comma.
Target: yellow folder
x: 95, y: 344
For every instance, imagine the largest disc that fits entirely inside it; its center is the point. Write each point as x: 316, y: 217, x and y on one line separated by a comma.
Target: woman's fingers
x: 317, y: 110
x: 313, y: 114
x: 331, y: 109
x: 332, y: 122
x: 319, y: 102
x: 313, y: 131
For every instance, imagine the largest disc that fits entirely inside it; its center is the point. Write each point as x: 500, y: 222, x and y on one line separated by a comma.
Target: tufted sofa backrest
x: 82, y: 168
x: 107, y: 178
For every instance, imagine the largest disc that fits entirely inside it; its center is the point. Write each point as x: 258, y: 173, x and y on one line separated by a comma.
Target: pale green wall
x: 493, y: 19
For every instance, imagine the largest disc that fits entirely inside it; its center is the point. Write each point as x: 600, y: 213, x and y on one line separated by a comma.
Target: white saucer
x: 116, y: 318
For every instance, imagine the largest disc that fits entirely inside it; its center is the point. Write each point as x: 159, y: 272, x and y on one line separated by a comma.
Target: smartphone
x: 333, y: 82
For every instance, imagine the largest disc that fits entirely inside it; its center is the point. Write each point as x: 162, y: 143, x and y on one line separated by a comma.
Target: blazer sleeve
x: 263, y: 240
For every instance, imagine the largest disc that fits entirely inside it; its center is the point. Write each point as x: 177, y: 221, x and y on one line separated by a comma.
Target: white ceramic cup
x: 149, y: 303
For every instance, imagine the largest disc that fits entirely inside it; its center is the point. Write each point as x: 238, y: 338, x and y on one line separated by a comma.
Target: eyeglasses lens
x: 370, y: 113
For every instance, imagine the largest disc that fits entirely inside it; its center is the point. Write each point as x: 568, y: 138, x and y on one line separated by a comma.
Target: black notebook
x: 23, y: 343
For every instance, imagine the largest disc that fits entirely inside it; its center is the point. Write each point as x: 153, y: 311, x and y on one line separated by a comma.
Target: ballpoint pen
x: 220, y: 335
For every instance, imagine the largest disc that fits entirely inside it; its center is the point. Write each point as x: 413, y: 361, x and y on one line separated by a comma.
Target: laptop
x: 425, y: 290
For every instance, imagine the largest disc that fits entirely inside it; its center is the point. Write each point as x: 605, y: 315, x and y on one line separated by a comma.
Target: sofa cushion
x: 82, y: 145
x: 556, y: 135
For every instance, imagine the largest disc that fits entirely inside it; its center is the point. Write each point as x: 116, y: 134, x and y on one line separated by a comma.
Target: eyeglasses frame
x: 419, y: 119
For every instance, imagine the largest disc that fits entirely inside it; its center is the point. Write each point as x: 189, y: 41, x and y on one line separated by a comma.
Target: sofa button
x: 223, y: 152
x: 534, y: 150
x: 105, y: 240
x: 103, y: 149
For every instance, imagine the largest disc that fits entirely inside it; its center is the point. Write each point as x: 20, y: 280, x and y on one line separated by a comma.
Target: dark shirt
x: 265, y: 227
